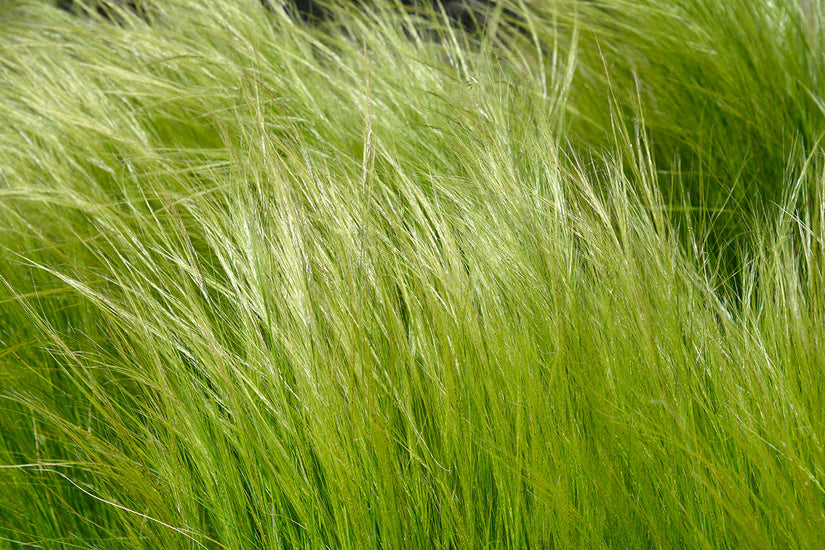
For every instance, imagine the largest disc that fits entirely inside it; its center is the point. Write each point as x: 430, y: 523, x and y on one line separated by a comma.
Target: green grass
x: 380, y: 283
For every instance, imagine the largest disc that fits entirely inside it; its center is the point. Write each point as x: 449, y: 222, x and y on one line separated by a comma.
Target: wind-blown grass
x: 379, y: 283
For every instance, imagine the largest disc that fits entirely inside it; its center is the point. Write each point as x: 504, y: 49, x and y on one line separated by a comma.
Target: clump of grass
x: 380, y: 283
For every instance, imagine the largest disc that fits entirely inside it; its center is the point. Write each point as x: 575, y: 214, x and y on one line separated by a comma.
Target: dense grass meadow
x: 381, y: 280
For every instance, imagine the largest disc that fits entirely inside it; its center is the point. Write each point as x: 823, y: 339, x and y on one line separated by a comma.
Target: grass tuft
x: 381, y: 281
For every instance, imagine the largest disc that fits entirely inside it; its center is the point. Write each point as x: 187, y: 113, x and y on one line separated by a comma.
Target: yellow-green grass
x: 380, y: 283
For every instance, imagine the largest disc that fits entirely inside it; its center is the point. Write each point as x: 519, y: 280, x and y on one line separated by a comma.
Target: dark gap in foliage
x: 469, y: 14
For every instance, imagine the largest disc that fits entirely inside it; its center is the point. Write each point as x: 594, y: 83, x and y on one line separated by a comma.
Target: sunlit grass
x: 379, y: 282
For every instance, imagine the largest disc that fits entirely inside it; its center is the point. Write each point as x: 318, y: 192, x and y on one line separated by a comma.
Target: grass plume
x: 381, y: 282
